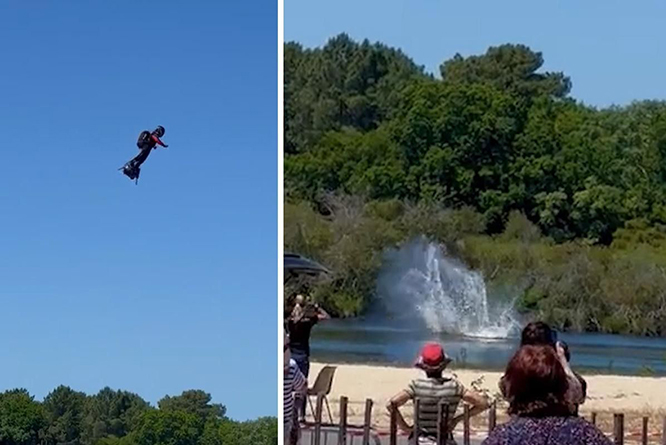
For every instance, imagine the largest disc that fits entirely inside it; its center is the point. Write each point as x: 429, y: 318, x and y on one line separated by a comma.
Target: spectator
x: 540, y: 334
x: 583, y: 383
x: 301, y: 321
x: 294, y: 384
x: 536, y: 385
x: 432, y: 389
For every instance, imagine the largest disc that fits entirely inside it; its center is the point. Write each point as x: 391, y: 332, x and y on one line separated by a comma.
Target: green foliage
x: 343, y: 84
x: 494, y: 134
x: 194, y: 402
x: 22, y: 419
x: 579, y: 287
x: 263, y: 431
x: 112, y: 413
x: 68, y: 417
x: 573, y: 285
x: 560, y: 201
x: 519, y: 228
x: 168, y: 427
x: 508, y: 67
x: 65, y: 410
x: 352, y: 237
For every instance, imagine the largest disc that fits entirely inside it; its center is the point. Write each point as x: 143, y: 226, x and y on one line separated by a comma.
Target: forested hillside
x: 110, y: 417
x: 493, y: 158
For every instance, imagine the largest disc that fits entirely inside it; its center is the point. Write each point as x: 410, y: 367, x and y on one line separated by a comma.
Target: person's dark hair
x: 536, y: 383
x: 537, y: 333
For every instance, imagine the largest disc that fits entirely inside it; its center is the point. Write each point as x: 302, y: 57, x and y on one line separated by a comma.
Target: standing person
x: 536, y: 386
x: 540, y: 334
x: 294, y: 384
x: 301, y: 321
x: 432, y: 389
x: 583, y: 383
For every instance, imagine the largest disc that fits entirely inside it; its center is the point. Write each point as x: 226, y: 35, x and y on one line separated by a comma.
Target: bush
x: 573, y: 285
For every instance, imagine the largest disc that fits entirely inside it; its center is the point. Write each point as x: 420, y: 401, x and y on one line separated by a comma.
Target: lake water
x: 424, y: 294
x: 365, y: 341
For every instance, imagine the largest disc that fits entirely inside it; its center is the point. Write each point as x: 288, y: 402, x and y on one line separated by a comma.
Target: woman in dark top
x: 303, y: 318
x: 536, y: 384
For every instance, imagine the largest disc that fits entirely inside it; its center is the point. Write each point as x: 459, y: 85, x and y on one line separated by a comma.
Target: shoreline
x: 633, y: 396
x: 454, y: 367
x: 376, y: 343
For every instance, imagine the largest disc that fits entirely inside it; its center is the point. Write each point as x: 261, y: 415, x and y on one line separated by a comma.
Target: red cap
x: 433, y: 357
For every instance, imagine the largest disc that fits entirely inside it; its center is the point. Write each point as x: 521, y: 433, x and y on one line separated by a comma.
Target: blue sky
x: 613, y: 50
x: 155, y: 288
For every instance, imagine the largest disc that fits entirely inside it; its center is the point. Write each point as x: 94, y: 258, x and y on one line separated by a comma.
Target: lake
x: 371, y: 341
x: 424, y: 294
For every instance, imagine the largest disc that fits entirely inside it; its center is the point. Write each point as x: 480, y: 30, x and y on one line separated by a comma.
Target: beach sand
x: 634, y: 397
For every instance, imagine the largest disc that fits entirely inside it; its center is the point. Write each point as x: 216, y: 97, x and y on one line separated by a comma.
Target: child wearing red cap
x: 433, y: 388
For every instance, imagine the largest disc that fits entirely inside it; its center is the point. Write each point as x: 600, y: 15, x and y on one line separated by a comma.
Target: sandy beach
x: 606, y: 394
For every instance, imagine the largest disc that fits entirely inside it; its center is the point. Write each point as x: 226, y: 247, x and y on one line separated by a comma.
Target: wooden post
x: 492, y: 417
x: 618, y: 429
x: 317, y: 431
x: 342, y: 435
x: 368, y: 422
x: 442, y: 423
x: 393, y: 434
x: 417, y: 426
x: 466, y: 425
x: 594, y: 418
x: 445, y: 439
x: 645, y: 431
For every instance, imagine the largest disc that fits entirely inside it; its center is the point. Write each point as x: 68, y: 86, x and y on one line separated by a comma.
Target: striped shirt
x: 430, y: 392
x: 293, y: 382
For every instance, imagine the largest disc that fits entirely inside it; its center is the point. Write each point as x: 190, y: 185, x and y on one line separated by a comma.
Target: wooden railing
x: 347, y: 433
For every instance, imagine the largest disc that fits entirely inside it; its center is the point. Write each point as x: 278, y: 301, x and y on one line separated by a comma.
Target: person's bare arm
x: 479, y: 403
x: 322, y: 314
x: 394, y: 404
x: 300, y: 383
x: 575, y: 390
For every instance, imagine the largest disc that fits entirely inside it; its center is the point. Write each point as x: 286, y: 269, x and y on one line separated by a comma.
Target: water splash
x: 420, y: 284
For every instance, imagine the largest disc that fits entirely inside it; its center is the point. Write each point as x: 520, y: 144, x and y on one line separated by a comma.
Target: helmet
x: 159, y: 131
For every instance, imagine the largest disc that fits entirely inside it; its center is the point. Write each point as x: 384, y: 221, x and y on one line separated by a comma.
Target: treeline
x: 69, y: 417
x: 572, y: 285
x: 492, y: 137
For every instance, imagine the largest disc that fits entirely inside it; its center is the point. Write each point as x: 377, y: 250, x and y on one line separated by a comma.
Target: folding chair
x: 322, y: 386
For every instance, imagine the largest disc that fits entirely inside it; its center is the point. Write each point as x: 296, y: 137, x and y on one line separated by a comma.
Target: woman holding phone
x: 540, y: 334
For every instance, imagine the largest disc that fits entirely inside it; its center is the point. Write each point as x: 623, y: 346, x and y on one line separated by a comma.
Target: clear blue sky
x: 613, y: 50
x: 155, y: 288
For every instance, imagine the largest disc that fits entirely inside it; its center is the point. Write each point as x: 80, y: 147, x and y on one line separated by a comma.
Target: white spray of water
x: 419, y: 283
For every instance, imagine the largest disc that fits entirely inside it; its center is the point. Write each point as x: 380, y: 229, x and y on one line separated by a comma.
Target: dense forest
x: 69, y: 417
x: 562, y: 202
